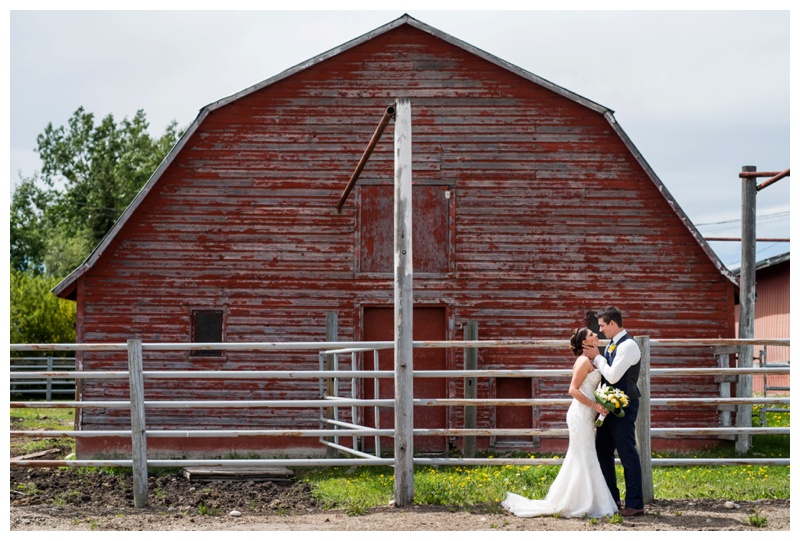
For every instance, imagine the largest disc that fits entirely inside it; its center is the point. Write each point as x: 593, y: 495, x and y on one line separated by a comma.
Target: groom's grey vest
x: 627, y: 382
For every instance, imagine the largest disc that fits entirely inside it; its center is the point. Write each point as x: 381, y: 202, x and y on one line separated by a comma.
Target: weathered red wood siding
x: 551, y: 216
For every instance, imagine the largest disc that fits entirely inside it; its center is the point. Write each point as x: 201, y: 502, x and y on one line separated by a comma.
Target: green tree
x: 28, y: 237
x: 37, y: 316
x: 64, y: 253
x: 38, y: 244
x: 91, y: 172
x: 101, y: 167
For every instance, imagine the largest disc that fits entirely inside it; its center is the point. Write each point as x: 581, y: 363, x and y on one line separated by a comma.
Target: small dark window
x: 594, y: 324
x: 207, y: 327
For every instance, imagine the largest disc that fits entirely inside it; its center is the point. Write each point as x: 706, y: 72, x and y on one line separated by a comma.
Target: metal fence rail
x: 46, y: 387
x: 780, y: 385
x: 332, y: 427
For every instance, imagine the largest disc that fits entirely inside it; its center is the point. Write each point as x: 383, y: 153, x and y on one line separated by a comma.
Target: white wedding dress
x: 579, y: 488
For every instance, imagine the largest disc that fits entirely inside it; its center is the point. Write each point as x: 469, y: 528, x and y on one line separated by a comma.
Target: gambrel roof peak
x: 67, y: 287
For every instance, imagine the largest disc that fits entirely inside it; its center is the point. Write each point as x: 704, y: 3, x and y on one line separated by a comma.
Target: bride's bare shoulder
x: 582, y: 362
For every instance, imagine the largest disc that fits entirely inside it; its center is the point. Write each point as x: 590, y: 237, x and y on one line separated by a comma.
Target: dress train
x: 579, y: 488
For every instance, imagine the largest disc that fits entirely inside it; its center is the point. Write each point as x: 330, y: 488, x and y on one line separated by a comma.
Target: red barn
x: 771, y: 318
x: 531, y: 207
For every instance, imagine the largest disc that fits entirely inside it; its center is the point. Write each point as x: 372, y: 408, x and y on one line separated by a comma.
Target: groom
x: 620, y: 369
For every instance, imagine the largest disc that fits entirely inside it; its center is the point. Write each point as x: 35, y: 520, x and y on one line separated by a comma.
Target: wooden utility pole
x: 747, y: 303
x: 403, y: 311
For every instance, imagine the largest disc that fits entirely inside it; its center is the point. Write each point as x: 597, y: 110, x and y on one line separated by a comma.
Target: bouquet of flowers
x: 612, y: 399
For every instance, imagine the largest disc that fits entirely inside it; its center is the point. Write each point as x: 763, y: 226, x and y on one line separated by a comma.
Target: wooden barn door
x: 430, y: 323
x: 515, y: 416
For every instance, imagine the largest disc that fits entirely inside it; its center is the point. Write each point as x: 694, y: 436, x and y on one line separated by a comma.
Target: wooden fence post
x: 138, y: 435
x: 470, y: 389
x: 403, y: 311
x: 723, y: 361
x: 643, y: 421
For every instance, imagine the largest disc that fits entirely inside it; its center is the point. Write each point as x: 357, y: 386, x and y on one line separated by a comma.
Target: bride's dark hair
x: 576, y: 342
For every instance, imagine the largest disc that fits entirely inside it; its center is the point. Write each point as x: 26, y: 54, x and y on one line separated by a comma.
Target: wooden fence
x: 333, y: 427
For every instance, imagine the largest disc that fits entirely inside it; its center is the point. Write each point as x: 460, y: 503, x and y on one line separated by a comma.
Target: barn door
x: 516, y: 416
x: 430, y: 323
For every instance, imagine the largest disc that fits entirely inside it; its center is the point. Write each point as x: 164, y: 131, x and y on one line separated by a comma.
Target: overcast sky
x: 700, y: 93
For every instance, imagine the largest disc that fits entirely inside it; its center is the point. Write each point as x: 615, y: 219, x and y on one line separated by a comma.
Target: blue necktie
x: 612, y: 354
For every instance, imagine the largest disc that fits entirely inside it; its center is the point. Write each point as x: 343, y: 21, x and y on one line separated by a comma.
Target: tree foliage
x: 28, y: 233
x: 90, y: 174
x: 37, y: 316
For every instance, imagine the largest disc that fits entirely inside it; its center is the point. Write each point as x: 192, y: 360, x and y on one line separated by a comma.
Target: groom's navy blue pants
x: 620, y: 433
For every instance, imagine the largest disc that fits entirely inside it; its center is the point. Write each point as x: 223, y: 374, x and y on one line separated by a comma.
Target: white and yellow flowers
x: 612, y: 399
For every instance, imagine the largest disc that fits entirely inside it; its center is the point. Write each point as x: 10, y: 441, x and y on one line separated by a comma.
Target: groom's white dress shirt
x: 628, y: 354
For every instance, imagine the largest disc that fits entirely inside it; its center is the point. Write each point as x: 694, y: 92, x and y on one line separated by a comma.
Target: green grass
x: 44, y: 419
x: 743, y: 482
x: 756, y: 520
x: 463, y: 487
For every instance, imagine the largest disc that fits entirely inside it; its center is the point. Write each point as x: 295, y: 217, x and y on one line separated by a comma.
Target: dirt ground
x: 66, y: 499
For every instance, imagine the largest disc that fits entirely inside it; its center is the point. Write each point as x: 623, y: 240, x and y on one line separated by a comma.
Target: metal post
x: 643, y: 421
x: 355, y: 416
x: 376, y: 386
x: 747, y: 300
x: 403, y: 311
x: 49, y: 381
x: 762, y: 412
x: 470, y: 389
x: 331, y: 335
x: 138, y: 435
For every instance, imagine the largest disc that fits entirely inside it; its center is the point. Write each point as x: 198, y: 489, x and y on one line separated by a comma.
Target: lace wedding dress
x: 579, y: 488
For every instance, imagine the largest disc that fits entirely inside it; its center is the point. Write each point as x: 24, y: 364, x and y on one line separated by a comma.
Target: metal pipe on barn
x: 403, y: 310
x: 747, y: 301
x: 387, y: 116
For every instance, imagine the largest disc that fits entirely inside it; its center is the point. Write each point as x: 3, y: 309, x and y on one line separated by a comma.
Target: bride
x: 579, y: 488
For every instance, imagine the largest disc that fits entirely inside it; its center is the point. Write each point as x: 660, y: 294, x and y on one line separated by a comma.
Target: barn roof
x: 765, y: 263
x: 67, y: 287
x: 772, y: 261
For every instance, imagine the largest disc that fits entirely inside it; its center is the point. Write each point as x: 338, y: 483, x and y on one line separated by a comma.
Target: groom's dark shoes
x: 631, y: 512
